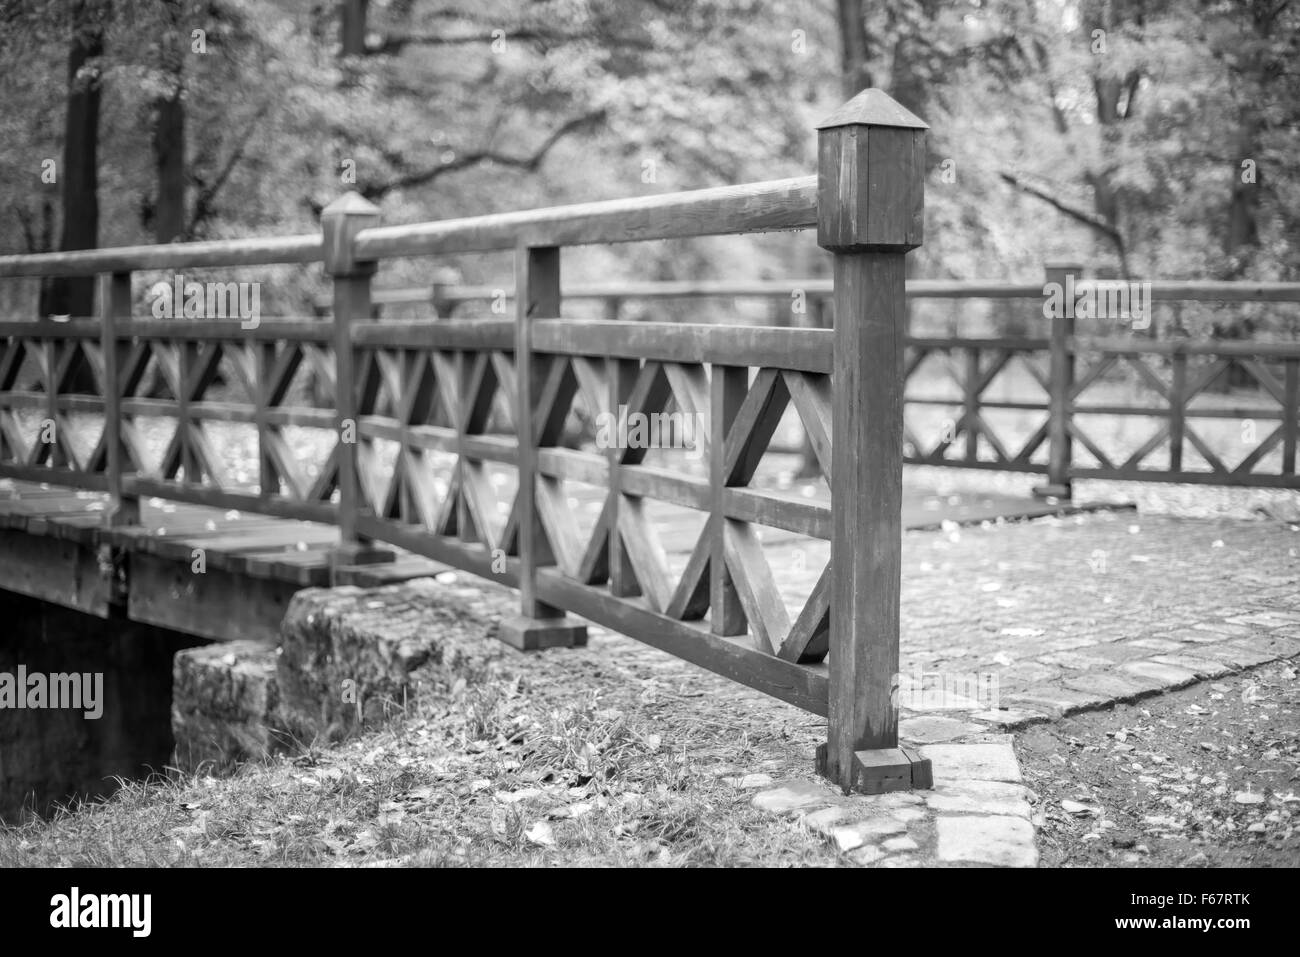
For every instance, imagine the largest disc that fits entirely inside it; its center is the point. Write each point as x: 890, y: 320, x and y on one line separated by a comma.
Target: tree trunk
x: 80, y: 169
x: 853, y: 47
x: 169, y: 161
x: 169, y: 135
x: 353, y: 28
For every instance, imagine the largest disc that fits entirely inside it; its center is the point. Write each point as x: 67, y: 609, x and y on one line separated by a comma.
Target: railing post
x: 115, y: 304
x: 444, y: 279
x: 341, y: 220
x: 537, y: 296
x: 1059, y: 282
x: 870, y: 205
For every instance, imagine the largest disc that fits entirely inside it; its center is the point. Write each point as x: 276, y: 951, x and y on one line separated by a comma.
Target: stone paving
x: 1075, y: 613
x: 1066, y: 614
x: 977, y: 813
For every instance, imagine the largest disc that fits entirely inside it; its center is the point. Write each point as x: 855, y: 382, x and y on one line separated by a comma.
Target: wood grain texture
x: 805, y: 350
x: 173, y: 256
x: 866, y: 547
x: 804, y: 686
x: 728, y: 389
x: 753, y: 207
x: 537, y: 271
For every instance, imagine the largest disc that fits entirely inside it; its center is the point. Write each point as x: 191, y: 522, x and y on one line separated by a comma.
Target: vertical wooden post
x: 268, y: 481
x: 465, y: 529
x: 971, y: 403
x: 1290, y: 414
x: 1060, y: 279
x: 187, y: 361
x: 727, y: 391
x: 114, y: 305
x: 870, y: 204
x: 341, y: 220
x: 622, y: 377
x: 444, y: 279
x: 1178, y: 410
x: 537, y: 295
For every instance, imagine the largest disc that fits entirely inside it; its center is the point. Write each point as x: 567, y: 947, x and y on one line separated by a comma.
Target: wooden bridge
x: 453, y: 442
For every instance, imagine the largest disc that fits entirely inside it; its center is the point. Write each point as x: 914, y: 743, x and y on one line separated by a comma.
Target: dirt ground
x: 1207, y: 776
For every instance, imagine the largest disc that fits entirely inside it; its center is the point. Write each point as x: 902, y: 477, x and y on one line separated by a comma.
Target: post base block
x: 534, y: 634
x: 883, y: 770
x: 359, y: 553
x: 124, y: 514
x: 1053, y: 491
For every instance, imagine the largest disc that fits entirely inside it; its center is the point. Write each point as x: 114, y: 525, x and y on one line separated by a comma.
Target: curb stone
x: 978, y: 812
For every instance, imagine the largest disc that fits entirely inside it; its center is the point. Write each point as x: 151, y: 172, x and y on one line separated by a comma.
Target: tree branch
x: 1091, y: 220
x: 528, y: 164
x: 396, y: 43
x: 203, y: 203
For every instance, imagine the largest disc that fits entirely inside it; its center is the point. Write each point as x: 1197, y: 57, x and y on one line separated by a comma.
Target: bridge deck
x: 55, y: 545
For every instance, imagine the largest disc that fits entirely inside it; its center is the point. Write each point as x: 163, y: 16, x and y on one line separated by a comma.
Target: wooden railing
x: 432, y: 421
x: 1059, y: 376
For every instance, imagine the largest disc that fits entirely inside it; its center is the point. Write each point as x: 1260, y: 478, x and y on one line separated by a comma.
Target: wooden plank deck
x: 55, y: 545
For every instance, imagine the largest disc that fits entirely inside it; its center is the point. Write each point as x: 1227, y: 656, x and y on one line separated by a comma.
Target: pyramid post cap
x: 873, y: 107
x: 351, y: 203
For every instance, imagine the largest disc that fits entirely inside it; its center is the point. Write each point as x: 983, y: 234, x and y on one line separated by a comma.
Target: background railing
x: 1100, y: 405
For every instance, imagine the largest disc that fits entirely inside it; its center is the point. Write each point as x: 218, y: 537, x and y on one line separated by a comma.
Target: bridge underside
x: 216, y: 575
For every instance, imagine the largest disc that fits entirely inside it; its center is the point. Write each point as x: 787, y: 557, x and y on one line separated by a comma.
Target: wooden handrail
x: 125, y: 259
x: 755, y: 207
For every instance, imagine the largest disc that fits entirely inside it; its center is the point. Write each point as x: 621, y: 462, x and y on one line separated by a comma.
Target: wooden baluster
x: 622, y: 579
x: 1290, y: 414
x: 971, y: 403
x: 1178, y: 410
x: 47, y: 434
x: 1061, y: 380
x: 465, y: 529
x: 728, y: 389
x: 537, y: 296
x: 268, y: 480
x: 186, y: 366
x: 115, y: 305
x: 871, y: 169
x: 341, y: 220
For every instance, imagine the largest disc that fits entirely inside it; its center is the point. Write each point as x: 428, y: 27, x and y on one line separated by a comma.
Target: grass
x: 495, y: 774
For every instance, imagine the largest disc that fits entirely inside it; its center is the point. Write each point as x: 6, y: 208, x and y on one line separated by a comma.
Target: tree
x: 168, y: 141
x: 64, y: 295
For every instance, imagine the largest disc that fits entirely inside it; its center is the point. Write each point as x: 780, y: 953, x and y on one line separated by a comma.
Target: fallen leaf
x: 1079, y: 809
x: 513, y: 797
x: 541, y: 834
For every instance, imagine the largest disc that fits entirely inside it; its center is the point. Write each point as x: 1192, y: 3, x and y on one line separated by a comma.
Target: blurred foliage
x: 1112, y: 132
